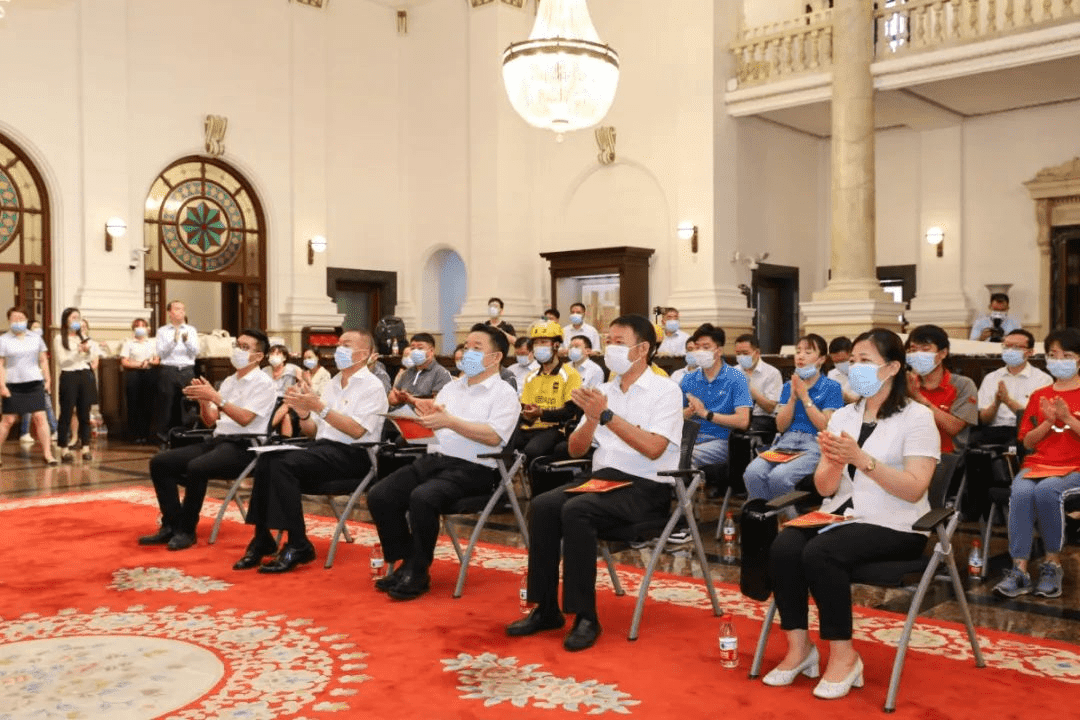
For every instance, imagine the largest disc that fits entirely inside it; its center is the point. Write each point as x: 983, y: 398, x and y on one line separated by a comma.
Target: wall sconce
x: 114, y: 228
x: 316, y: 244
x: 688, y: 231
x: 936, y: 236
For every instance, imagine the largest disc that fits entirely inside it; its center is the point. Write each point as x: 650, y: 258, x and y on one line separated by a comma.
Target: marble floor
x: 24, y: 474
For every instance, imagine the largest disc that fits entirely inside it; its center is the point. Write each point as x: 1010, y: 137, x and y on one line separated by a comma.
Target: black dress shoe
x: 253, y: 555
x: 161, y: 537
x: 384, y: 584
x: 583, y: 635
x: 411, y: 586
x: 289, y: 558
x: 536, y: 621
x: 181, y: 541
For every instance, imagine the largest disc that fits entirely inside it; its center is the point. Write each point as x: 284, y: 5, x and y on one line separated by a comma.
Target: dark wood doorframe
x: 631, y: 264
x: 1064, y: 271
x: 778, y: 286
x: 382, y: 284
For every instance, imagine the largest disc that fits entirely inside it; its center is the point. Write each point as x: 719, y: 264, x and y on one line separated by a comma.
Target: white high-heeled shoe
x: 832, y: 690
x: 810, y: 667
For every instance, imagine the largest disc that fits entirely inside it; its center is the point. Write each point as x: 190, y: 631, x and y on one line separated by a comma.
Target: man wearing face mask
x: 591, y: 373
x: 840, y: 354
x: 578, y: 327
x: 241, y: 408
x: 350, y: 409
x: 765, y: 384
x: 674, y: 340
x: 545, y: 398
x: 472, y: 415
x: 495, y: 309
x: 635, y: 424
x: 524, y: 363
x: 997, y: 323
x: 717, y: 397
x: 951, y: 397
x: 177, y: 346
x: 1005, y: 392
x: 423, y: 377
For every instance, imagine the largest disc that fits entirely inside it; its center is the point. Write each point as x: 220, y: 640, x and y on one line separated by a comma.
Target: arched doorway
x: 445, y: 288
x: 204, y: 225
x: 25, y: 258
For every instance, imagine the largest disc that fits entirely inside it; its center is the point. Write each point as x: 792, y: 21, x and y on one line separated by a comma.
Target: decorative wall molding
x: 1056, y: 191
x: 312, y: 3
x: 519, y: 4
x: 215, y: 127
x: 605, y: 140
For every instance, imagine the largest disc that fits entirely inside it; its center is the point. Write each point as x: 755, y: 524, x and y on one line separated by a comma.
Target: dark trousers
x: 170, y: 383
x: 568, y: 524
x: 802, y: 561
x: 139, y: 392
x: 282, y: 478
x: 536, y: 443
x: 425, y: 489
x: 78, y: 391
x: 193, y: 466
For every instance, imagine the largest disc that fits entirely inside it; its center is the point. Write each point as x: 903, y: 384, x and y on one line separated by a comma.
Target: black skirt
x: 27, y: 397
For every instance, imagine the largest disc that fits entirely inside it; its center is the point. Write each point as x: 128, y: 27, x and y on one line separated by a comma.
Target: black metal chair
x: 942, y: 520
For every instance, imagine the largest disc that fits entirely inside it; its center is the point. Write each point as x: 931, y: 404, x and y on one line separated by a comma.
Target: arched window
x: 205, y: 224
x: 24, y: 235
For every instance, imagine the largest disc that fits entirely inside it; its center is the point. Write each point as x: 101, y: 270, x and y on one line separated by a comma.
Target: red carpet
x: 323, y: 644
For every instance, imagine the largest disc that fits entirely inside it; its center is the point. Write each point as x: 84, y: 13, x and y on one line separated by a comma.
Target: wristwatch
x: 709, y: 416
x: 870, y: 466
x: 324, y: 412
x: 221, y: 405
x: 606, y: 416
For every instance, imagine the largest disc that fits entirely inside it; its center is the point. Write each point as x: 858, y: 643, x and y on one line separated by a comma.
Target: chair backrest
x: 690, y: 430
x: 943, y: 475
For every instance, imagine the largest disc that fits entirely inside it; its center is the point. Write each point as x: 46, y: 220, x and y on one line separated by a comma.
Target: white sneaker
x: 26, y: 439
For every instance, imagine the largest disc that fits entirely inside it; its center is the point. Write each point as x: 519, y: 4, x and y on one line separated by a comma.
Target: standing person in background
x: 138, y: 357
x: 24, y: 433
x: 673, y: 340
x: 177, y: 345
x: 314, y: 375
x: 77, y: 359
x: 24, y: 379
x: 578, y: 326
x: 495, y: 308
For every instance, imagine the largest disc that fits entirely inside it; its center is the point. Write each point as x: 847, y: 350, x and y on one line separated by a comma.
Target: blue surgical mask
x: 472, y: 363
x: 1063, y: 369
x: 459, y: 367
x: 864, y: 379
x: 523, y: 360
x: 406, y: 361
x: 418, y: 356
x: 1013, y: 357
x: 18, y: 327
x: 671, y: 325
x: 923, y: 363
x: 691, y: 359
x: 310, y: 363
x: 745, y: 361
x: 140, y: 332
x: 806, y: 372
x: 343, y: 357
x: 704, y: 359
x: 542, y: 353
x: 576, y: 318
x: 75, y: 326
x: 576, y: 353
x: 843, y: 367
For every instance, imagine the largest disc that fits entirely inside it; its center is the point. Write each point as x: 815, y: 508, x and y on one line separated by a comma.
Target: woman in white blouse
x: 138, y: 357
x: 284, y: 375
x: 24, y: 379
x: 877, y: 457
x: 314, y: 374
x: 77, y: 357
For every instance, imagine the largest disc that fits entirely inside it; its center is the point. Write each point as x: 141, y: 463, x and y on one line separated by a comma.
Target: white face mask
x: 276, y: 361
x: 494, y: 310
x: 240, y: 359
x: 140, y: 332
x: 704, y: 359
x: 310, y: 363
x: 616, y: 357
x: 576, y: 318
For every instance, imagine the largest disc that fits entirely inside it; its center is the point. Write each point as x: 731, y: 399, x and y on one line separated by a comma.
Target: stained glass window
x: 24, y: 233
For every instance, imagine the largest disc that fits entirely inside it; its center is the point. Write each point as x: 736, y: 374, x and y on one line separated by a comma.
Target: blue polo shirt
x: 825, y: 393
x: 726, y: 392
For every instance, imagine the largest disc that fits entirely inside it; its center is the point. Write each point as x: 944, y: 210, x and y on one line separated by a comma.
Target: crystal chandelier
x: 562, y: 78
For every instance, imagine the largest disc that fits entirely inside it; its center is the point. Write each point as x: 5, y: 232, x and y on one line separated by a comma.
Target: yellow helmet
x: 548, y: 330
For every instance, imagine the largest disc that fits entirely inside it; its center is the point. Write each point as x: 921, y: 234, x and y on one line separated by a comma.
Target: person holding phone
x: 77, y: 359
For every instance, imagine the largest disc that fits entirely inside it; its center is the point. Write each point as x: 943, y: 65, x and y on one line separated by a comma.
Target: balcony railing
x: 804, y: 45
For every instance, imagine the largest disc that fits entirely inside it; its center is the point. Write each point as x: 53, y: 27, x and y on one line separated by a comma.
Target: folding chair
x: 233, y: 494
x: 743, y: 447
x: 508, y: 464
x: 354, y: 488
x: 893, y: 573
x: 687, y: 482
x: 1004, y: 466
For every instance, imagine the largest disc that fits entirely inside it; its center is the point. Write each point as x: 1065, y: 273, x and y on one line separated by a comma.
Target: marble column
x: 853, y: 300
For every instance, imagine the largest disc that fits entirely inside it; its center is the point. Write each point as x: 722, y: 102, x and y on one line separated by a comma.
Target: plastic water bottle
x: 975, y: 560
x: 729, y: 553
x: 728, y: 530
x: 523, y: 594
x: 729, y: 643
x: 378, y: 563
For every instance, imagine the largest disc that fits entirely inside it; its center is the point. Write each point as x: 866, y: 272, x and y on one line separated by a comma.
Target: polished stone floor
x: 24, y: 474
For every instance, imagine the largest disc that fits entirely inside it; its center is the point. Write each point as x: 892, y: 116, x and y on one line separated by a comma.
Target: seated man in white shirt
x: 350, y: 409
x: 1005, y: 392
x: 473, y: 415
x: 578, y: 326
x: 242, y: 407
x: 525, y: 364
x: 636, y: 424
x: 765, y: 384
x: 591, y: 373
x: 840, y: 354
x: 674, y: 340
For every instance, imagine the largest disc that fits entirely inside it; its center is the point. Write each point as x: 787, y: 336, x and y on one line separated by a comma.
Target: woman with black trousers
x: 77, y: 358
x: 138, y: 357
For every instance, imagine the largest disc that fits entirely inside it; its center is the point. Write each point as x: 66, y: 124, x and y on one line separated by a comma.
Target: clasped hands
x: 1054, y: 411
x: 841, y: 449
x: 300, y: 398
x: 199, y: 389
x: 591, y: 401
x: 431, y: 415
